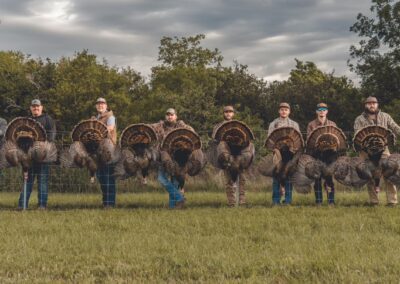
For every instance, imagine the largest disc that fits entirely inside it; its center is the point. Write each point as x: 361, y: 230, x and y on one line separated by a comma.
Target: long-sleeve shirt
x: 317, y: 123
x: 381, y: 119
x: 282, y: 122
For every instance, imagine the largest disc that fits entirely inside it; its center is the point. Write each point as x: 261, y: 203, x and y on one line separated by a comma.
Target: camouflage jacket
x: 282, y: 122
x: 218, y: 125
x: 316, y: 123
x: 382, y: 119
x: 162, y: 128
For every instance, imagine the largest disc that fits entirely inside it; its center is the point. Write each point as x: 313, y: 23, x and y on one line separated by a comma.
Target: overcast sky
x: 264, y: 34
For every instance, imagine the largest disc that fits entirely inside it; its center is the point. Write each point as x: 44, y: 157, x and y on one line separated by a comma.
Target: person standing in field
x: 39, y: 170
x: 322, y: 120
x: 231, y: 157
x: 170, y: 183
x: 105, y: 173
x: 282, y: 121
x: 3, y: 128
x: 372, y: 115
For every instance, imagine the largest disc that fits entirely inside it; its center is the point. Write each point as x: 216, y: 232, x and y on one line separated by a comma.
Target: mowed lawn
x: 142, y: 241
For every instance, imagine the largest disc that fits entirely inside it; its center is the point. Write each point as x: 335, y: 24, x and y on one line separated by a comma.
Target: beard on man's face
x: 371, y: 109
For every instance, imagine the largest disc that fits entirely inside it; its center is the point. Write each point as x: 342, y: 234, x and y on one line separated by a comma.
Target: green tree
x: 188, y: 52
x: 81, y: 79
x: 191, y: 78
x: 307, y: 86
x: 376, y: 58
x: 187, y: 80
x: 16, y: 85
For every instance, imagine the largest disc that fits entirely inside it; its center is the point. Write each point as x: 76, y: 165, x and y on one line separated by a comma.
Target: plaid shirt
x: 382, y: 119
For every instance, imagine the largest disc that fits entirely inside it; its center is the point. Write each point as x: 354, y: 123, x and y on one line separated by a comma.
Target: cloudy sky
x: 265, y: 34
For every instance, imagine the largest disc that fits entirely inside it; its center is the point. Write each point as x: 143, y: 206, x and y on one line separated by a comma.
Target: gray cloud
x: 265, y: 34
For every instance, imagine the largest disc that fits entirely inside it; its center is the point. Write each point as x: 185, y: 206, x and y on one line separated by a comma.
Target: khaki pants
x: 391, y: 190
x: 230, y: 189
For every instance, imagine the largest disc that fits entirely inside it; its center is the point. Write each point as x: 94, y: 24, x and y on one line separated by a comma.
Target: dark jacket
x: 49, y: 125
x: 3, y: 127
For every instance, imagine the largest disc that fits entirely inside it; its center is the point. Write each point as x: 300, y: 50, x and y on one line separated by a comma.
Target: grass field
x: 142, y: 241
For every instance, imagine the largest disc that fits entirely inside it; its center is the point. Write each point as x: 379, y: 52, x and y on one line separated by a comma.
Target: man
x: 373, y: 116
x: 39, y: 170
x: 282, y: 121
x: 3, y: 128
x: 105, y: 174
x: 170, y: 183
x: 322, y: 120
x: 228, y: 114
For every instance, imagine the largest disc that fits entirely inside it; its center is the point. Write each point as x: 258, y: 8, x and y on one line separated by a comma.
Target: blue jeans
x: 106, y: 178
x: 171, y: 186
x: 276, y: 196
x: 41, y: 171
x: 318, y: 192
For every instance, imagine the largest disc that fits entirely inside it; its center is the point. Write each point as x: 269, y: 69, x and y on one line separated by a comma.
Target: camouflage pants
x: 391, y: 190
x: 230, y: 189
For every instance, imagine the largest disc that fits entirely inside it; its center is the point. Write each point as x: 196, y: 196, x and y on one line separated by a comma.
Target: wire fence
x: 77, y: 180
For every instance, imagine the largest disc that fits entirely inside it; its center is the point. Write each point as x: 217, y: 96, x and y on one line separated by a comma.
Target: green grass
x: 142, y: 241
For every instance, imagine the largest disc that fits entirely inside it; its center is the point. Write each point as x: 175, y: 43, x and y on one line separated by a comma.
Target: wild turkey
x: 356, y: 171
x: 391, y: 168
x: 324, y: 146
x: 181, y: 154
x: 91, y: 147
x: 231, y: 148
x: 287, y: 145
x: 139, y: 153
x: 26, y: 143
x: 345, y: 171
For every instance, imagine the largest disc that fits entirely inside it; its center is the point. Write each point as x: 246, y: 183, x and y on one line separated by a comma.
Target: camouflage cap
x: 284, y: 105
x: 371, y: 99
x: 229, y: 108
x: 171, y: 111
